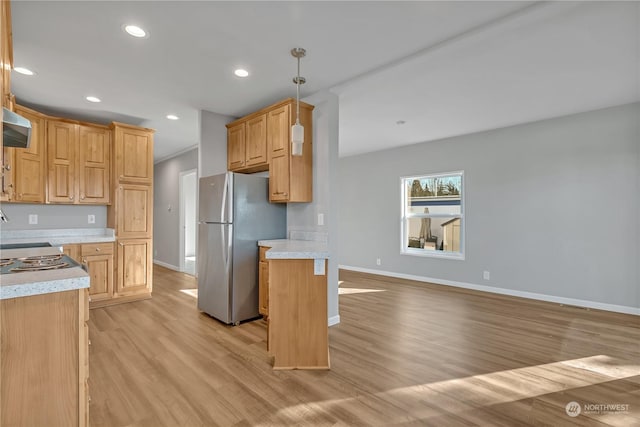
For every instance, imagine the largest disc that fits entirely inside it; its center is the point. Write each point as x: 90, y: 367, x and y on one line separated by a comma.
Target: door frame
x: 181, y: 215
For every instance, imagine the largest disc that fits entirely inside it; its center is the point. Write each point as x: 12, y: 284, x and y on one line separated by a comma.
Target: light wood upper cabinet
x: 278, y: 130
x: 290, y: 177
x: 94, y: 165
x: 235, y: 147
x: 266, y: 136
x: 133, y: 154
x: 62, y: 144
x: 6, y: 53
x: 247, y: 145
x: 29, y: 164
x: 256, y: 141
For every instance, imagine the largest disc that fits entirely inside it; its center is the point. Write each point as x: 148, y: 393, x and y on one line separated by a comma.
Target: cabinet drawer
x: 263, y: 251
x: 97, y: 249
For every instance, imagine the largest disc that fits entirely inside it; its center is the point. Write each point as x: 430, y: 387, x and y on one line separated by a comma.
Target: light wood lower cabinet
x: 298, y: 330
x: 134, y: 267
x: 98, y: 259
x: 45, y: 360
x: 263, y: 283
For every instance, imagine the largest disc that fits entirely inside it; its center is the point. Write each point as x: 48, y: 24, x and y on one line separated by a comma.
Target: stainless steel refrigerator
x: 233, y: 214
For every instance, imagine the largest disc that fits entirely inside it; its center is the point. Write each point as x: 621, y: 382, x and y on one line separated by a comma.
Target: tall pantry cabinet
x: 131, y: 212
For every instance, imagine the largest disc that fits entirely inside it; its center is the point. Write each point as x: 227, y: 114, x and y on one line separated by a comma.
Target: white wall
x: 52, y: 216
x: 552, y: 209
x: 304, y: 216
x: 166, y: 207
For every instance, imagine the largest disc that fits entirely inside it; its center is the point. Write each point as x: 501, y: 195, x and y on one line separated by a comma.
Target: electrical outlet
x: 91, y: 219
x: 486, y: 275
x: 378, y: 262
x: 320, y: 219
x: 33, y: 218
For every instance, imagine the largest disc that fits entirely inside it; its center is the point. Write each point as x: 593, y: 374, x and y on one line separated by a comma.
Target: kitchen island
x: 44, y: 344
x: 297, y: 322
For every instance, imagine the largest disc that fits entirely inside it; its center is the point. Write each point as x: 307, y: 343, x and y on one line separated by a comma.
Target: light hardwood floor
x: 405, y: 353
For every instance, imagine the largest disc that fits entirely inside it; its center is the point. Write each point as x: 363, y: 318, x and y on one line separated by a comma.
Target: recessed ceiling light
x: 135, y: 31
x: 172, y: 117
x: 400, y: 122
x: 93, y: 99
x: 25, y: 71
x: 241, y: 73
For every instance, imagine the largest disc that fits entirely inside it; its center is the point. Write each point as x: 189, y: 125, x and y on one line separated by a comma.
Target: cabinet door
x: 278, y: 131
x: 62, y: 143
x: 134, y: 211
x: 29, y: 163
x: 94, y: 149
x: 263, y: 282
x: 279, y: 179
x: 7, y: 178
x: 256, y: 141
x: 134, y: 266
x: 235, y: 147
x: 100, y: 268
x: 134, y: 155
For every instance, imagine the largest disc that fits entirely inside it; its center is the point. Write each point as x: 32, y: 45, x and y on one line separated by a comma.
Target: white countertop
x: 42, y: 282
x: 295, y: 249
x: 61, y: 236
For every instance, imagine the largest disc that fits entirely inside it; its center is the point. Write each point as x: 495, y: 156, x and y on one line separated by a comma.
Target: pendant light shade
x: 297, y: 130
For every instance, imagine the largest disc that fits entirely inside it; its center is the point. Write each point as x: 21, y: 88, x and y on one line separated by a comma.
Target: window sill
x: 433, y: 254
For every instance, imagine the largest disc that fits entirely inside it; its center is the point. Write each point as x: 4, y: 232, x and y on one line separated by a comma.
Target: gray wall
x: 190, y: 189
x: 53, y: 216
x: 166, y: 206
x: 213, y: 143
x: 304, y: 216
x: 552, y: 208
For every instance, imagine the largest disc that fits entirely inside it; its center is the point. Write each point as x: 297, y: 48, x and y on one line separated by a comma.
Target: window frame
x: 404, y: 217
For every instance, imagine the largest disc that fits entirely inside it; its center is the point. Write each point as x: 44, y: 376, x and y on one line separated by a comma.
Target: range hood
x: 16, y: 130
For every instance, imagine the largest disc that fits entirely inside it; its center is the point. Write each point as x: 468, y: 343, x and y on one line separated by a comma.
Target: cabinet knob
x: 82, y: 197
x: 6, y: 167
x: 97, y: 249
x: 70, y: 197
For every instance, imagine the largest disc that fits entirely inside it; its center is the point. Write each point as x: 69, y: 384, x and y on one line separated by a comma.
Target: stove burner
x: 4, y: 262
x: 38, y: 267
x: 41, y: 259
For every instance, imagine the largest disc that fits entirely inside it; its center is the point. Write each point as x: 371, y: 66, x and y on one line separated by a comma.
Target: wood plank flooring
x: 405, y: 353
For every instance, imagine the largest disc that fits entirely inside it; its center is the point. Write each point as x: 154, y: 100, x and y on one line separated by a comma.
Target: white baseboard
x: 531, y: 295
x: 169, y: 266
x: 334, y: 320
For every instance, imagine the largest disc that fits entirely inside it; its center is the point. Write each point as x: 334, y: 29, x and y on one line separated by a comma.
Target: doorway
x: 188, y: 189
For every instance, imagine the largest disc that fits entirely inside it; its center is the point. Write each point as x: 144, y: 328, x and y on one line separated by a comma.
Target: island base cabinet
x: 44, y: 360
x: 298, y: 330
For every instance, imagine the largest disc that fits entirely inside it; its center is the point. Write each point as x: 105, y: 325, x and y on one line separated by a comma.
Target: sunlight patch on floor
x: 470, y: 393
x: 190, y: 292
x: 347, y: 291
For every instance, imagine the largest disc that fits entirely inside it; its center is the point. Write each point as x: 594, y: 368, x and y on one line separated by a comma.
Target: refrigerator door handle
x: 223, y: 205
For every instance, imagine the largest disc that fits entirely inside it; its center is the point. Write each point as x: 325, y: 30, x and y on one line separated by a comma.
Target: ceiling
x: 443, y: 68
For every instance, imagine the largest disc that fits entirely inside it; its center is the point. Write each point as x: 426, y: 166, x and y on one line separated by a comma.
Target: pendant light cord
x: 298, y: 94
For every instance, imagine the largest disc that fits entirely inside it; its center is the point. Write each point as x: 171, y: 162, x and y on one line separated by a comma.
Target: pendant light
x: 297, y: 130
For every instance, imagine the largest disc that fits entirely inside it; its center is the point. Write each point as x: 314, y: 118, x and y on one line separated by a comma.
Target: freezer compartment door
x: 214, y: 270
x: 215, y: 202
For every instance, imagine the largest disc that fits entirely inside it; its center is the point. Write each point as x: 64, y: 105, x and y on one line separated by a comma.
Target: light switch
x: 320, y: 219
x: 91, y: 219
x: 33, y: 218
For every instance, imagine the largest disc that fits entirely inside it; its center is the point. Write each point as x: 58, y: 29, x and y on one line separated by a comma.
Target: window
x: 433, y: 215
